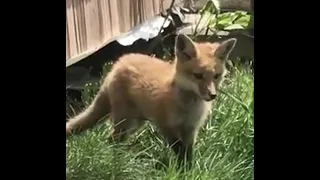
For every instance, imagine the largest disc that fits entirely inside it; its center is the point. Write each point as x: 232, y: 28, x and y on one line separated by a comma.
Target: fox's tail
x: 97, y: 110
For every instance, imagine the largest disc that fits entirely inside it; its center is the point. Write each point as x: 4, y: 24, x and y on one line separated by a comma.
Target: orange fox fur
x: 176, y: 96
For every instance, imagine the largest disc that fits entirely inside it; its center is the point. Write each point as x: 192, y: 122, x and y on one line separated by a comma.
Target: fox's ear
x: 225, y: 48
x: 184, y: 48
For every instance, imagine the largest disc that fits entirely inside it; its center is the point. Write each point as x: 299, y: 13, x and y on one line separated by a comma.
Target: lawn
x: 224, y: 148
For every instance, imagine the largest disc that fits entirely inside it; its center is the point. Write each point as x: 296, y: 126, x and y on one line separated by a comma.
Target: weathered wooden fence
x: 90, y: 23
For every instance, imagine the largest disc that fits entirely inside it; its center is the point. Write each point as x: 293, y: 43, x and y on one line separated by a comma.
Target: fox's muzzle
x: 212, y: 96
x: 208, y: 92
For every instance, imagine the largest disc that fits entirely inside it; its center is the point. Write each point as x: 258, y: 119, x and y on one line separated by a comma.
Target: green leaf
x: 251, y: 23
x: 210, y: 11
x: 219, y: 27
x: 225, y: 22
x: 212, y: 23
x: 228, y: 16
x: 241, y: 13
x: 233, y: 27
x: 243, y: 21
x: 224, y: 15
x: 212, y: 7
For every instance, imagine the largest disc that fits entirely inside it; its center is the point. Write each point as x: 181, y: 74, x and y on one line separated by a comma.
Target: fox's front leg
x: 183, y: 150
x: 181, y: 140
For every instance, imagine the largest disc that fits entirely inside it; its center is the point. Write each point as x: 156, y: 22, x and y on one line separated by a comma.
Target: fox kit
x: 175, y: 96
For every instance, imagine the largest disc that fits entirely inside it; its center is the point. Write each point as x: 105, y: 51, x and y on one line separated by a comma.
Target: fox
x: 176, y: 96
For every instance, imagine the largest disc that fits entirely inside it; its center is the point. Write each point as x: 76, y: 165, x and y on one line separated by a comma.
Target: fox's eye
x: 216, y: 76
x: 198, y: 75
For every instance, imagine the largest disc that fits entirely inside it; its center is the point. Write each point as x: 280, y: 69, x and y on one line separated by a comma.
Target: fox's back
x: 143, y: 79
x: 142, y: 71
x: 144, y: 66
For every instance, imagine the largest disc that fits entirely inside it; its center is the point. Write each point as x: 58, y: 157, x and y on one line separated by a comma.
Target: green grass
x: 224, y: 150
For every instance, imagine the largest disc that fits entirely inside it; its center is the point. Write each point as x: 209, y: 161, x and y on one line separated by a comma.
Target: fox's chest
x: 194, y: 113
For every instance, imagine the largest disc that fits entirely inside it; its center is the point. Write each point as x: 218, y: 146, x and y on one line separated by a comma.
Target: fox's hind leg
x: 125, y: 120
x: 124, y: 113
x: 124, y: 127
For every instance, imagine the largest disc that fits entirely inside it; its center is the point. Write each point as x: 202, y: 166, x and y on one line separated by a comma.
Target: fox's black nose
x: 212, y: 96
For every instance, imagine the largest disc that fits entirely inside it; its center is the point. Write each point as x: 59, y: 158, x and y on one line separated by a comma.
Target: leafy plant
x: 213, y: 19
